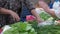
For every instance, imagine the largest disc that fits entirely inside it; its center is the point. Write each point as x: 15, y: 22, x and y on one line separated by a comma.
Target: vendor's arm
x: 46, y: 8
x: 31, y: 6
x: 13, y: 14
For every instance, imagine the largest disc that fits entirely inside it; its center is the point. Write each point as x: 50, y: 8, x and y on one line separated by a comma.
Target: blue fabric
x: 56, y: 0
x: 23, y: 19
x: 51, y: 5
x: 24, y: 13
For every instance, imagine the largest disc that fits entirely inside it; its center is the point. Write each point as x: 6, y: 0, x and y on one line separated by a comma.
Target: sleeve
x: 3, y: 4
x: 29, y: 4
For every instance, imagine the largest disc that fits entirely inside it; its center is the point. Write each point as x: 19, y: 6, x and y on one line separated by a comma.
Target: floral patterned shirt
x: 14, y: 5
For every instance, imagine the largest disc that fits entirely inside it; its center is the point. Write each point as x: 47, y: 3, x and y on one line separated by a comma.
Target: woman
x: 13, y: 8
x: 8, y: 11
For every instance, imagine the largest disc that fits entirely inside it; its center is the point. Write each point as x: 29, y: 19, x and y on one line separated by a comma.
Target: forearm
x: 46, y: 8
x: 4, y: 11
x: 37, y: 16
x: 34, y: 13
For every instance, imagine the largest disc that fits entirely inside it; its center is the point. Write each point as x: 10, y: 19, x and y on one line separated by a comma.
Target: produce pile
x: 44, y: 15
x: 21, y: 28
x: 52, y: 29
x: 25, y: 28
x: 47, y: 29
x: 32, y: 27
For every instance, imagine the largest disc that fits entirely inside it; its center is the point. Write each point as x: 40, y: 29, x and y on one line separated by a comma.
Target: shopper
x: 14, y: 8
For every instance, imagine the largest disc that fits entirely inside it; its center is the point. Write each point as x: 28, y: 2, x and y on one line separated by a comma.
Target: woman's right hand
x: 12, y: 13
x: 15, y: 16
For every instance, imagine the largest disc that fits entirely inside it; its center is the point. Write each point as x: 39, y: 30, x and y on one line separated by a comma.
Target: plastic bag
x: 47, y: 22
x: 6, y: 27
x: 56, y: 7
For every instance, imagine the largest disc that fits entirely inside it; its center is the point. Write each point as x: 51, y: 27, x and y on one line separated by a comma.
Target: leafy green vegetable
x: 23, y: 33
x: 52, y: 29
x: 20, y: 28
x: 25, y: 28
x: 44, y: 16
x: 48, y: 29
x: 12, y: 31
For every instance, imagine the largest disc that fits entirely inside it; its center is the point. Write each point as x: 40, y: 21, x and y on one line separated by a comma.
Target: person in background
x: 13, y: 9
x: 44, y: 5
x: 26, y: 11
x: 9, y: 11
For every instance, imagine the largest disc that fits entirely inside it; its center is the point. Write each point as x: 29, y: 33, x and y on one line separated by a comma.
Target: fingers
x: 15, y: 17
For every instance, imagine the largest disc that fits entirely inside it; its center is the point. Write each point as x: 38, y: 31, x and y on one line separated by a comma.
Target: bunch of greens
x: 47, y: 29
x: 51, y: 29
x: 44, y: 15
x: 21, y: 28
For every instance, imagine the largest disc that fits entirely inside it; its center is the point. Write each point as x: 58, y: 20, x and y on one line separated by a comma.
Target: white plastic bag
x: 56, y: 7
x: 6, y: 27
x: 47, y: 22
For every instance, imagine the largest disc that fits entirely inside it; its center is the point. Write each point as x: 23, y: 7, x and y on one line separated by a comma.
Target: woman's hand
x: 15, y: 16
x: 12, y: 13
